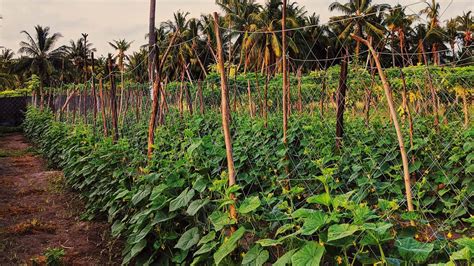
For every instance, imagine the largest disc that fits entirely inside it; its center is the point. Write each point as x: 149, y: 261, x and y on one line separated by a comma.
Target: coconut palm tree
x: 435, y: 32
x: 466, y: 26
x: 77, y: 56
x: 40, y: 55
x: 137, y: 65
x: 7, y: 78
x: 361, y: 17
x: 121, y: 46
x: 238, y: 16
x: 452, y: 35
x: 399, y: 24
x: 263, y: 42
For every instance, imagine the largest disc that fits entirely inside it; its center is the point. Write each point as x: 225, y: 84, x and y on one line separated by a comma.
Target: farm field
x: 256, y: 136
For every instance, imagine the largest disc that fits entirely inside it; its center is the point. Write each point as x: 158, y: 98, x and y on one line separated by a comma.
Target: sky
x: 107, y: 20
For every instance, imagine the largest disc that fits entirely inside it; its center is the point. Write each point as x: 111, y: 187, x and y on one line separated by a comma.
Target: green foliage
x: 175, y: 209
x: 54, y: 256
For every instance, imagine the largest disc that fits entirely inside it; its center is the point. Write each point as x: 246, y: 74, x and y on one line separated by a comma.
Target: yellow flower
x: 450, y: 235
x: 339, y: 260
x: 417, y: 236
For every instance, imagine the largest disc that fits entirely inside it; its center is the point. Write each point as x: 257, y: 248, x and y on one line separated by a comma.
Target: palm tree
x: 399, y: 23
x: 435, y: 32
x: 466, y: 26
x: 137, y: 66
x: 76, y: 52
x: 40, y: 55
x: 360, y: 17
x: 238, y: 17
x: 263, y: 42
x: 121, y: 46
x: 452, y: 35
x: 6, y: 66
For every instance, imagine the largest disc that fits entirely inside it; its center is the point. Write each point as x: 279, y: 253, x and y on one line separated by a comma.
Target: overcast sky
x: 105, y: 20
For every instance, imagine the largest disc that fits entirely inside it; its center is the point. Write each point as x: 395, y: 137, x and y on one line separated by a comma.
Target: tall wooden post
x: 154, y: 107
x: 84, y: 35
x: 224, y: 113
x: 102, y: 107
x: 285, y: 93
x: 113, y: 100
x: 393, y: 113
x: 151, y: 39
x: 341, y: 101
x: 94, y: 97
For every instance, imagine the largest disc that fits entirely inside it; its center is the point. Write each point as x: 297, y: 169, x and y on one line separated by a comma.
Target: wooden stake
x: 285, y: 93
x: 224, y: 114
x: 102, y: 107
x: 393, y: 113
x: 341, y: 101
x: 113, y: 101
x: 94, y: 97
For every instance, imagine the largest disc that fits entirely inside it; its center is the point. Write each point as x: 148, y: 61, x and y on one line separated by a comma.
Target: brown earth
x: 37, y: 212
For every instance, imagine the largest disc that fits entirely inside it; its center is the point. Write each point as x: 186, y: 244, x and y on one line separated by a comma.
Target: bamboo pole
x: 285, y: 93
x: 393, y: 113
x: 225, y: 116
x: 113, y: 101
x: 341, y: 101
x: 102, y: 106
x: 94, y: 97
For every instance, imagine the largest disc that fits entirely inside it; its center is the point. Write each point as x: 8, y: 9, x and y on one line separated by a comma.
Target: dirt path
x: 37, y: 213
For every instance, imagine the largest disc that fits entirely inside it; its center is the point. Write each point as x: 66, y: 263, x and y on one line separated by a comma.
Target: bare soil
x: 37, y: 212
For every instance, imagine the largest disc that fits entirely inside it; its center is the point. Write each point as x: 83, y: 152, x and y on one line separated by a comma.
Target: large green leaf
x: 412, y: 250
x: 194, y: 207
x: 188, y: 239
x: 255, y: 256
x: 137, y: 248
x: 207, y: 238
x: 323, y: 199
x: 313, y: 222
x: 206, y: 248
x: 249, y: 204
x: 220, y: 219
x: 339, y: 231
x: 228, y: 246
x: 285, y: 259
x: 463, y: 254
x: 182, y: 200
x: 309, y: 255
